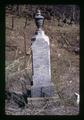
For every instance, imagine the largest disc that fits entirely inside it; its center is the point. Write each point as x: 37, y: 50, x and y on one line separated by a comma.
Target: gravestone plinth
x: 42, y: 84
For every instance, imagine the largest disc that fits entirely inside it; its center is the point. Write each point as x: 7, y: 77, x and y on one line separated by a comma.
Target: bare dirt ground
x: 64, y: 61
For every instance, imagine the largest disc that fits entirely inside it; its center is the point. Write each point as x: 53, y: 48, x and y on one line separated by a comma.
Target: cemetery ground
x: 64, y: 45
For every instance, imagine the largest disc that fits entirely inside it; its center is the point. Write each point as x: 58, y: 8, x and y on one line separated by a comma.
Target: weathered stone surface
x: 42, y: 91
x: 41, y: 63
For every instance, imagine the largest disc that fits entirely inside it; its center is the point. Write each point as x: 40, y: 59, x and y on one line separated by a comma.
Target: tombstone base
x: 42, y: 91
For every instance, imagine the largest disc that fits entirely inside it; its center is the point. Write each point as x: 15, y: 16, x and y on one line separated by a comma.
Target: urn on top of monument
x: 39, y: 19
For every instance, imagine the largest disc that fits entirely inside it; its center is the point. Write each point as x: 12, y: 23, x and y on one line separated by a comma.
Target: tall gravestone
x: 42, y: 84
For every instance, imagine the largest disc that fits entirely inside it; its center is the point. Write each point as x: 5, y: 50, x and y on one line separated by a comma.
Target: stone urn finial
x: 39, y: 19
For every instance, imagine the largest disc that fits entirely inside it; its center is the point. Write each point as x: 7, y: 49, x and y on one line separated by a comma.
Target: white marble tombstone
x: 42, y: 84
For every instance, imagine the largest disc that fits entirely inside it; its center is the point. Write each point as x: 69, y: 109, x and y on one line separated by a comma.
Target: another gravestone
x: 42, y: 85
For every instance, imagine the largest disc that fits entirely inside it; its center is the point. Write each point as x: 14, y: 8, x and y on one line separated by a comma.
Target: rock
x: 77, y: 98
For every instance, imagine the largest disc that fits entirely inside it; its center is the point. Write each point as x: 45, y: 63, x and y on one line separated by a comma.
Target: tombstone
x: 42, y: 84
